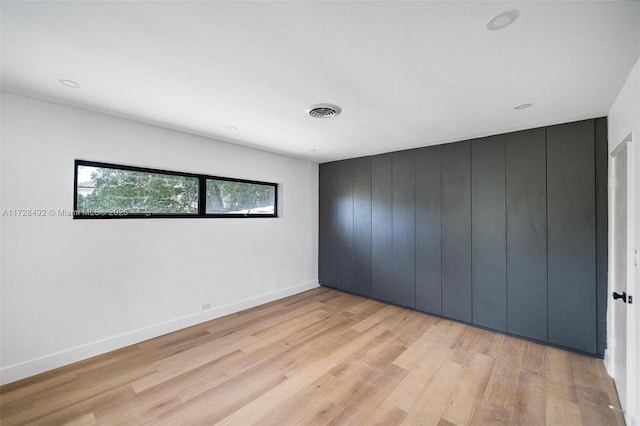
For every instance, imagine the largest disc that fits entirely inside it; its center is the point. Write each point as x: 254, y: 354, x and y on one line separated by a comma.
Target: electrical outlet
x: 206, y: 306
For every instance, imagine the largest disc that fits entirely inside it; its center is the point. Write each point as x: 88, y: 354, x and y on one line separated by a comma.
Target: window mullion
x: 202, y: 195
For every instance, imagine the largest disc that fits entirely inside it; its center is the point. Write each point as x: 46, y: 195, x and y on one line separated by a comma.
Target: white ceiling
x: 405, y: 74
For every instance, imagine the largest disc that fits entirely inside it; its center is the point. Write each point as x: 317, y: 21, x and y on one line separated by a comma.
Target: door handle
x: 622, y: 296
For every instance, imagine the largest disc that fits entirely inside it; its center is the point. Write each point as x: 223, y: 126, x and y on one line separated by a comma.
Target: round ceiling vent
x: 323, y: 111
x: 502, y: 20
x: 524, y: 106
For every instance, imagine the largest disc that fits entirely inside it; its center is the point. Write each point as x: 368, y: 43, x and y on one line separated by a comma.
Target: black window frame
x: 202, y: 195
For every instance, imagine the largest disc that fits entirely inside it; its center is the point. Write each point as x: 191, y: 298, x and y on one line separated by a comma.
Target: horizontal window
x: 114, y: 191
x: 109, y: 189
x: 232, y: 197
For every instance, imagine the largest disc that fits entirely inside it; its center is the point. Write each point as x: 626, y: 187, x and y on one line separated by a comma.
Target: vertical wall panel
x: 362, y: 226
x: 527, y: 234
x: 488, y: 232
x: 428, y: 227
x: 326, y: 237
x: 344, y: 225
x: 602, y: 255
x: 571, y: 235
x: 456, y: 231
x: 404, y: 231
x: 381, y: 227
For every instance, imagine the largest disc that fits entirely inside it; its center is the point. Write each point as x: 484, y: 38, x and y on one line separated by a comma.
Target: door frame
x: 632, y: 416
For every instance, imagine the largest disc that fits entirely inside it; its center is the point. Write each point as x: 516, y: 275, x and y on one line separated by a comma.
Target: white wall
x: 71, y: 289
x: 624, y: 120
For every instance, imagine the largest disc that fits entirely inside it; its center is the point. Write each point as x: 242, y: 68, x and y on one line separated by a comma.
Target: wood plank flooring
x: 322, y: 357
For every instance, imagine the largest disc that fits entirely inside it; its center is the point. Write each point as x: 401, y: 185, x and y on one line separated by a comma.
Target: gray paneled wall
x: 571, y: 236
x: 508, y: 232
x: 602, y: 259
x: 327, y: 217
x: 428, y: 230
x: 489, y: 233
x: 362, y: 225
x: 344, y: 225
x: 526, y: 184
x: 403, y: 225
x: 381, y: 232
x: 455, y: 169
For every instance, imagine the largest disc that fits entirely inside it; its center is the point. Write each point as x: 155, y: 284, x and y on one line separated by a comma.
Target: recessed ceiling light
x: 323, y: 110
x: 69, y: 83
x: 502, y: 20
x: 234, y: 128
x: 312, y: 150
x: 523, y: 106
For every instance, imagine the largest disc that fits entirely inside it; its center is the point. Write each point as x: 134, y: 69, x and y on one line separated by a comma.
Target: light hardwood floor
x: 322, y: 357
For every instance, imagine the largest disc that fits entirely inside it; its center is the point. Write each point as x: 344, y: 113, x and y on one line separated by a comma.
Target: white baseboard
x: 608, y: 364
x: 31, y: 367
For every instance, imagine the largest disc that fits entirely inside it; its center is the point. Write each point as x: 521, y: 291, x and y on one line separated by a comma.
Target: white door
x: 619, y: 305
